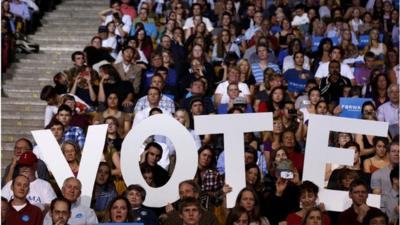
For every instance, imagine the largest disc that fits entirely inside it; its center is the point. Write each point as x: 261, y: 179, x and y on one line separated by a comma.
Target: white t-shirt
x: 111, y: 42
x: 126, y: 19
x: 141, y: 59
x: 323, y: 70
x: 143, y: 114
x: 49, y: 112
x: 222, y: 89
x: 40, y: 193
x: 300, y: 20
x: 189, y: 23
x: 288, y: 63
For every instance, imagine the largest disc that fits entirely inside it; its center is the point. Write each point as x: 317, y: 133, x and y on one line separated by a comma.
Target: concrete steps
x: 21, y: 122
x: 67, y: 29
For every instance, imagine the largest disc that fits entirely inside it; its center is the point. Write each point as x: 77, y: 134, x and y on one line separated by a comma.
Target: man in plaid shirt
x: 72, y: 133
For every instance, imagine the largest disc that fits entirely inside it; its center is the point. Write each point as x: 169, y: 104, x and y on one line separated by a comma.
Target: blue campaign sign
x: 335, y: 41
x: 351, y: 107
x: 296, y: 85
x: 364, y: 40
x: 315, y: 42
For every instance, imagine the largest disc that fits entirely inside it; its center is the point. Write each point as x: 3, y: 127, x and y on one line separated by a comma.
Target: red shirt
x: 297, y: 159
x: 128, y: 10
x: 30, y: 214
x: 295, y: 219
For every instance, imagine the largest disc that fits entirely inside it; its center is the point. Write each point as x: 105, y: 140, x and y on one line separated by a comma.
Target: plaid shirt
x: 211, y: 181
x: 165, y: 103
x: 75, y: 134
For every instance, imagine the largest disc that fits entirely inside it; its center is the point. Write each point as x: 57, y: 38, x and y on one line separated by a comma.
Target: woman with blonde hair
x: 375, y: 46
x: 182, y: 116
x: 246, y: 75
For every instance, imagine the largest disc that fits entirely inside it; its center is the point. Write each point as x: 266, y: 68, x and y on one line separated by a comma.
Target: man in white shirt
x: 80, y: 215
x: 345, y: 70
x: 257, y: 18
x: 221, y: 93
x: 389, y: 111
x: 196, y: 10
x: 40, y: 191
x: 301, y: 18
x: 123, y: 23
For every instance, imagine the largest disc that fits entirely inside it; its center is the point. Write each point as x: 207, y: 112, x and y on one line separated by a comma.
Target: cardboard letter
x: 318, y: 154
x: 186, y: 157
x: 233, y: 126
x: 91, y: 155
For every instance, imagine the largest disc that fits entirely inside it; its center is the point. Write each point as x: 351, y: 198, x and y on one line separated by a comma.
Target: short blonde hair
x: 186, y: 116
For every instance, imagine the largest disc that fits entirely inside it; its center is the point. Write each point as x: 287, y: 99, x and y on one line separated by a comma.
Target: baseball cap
x: 27, y: 159
x: 240, y: 101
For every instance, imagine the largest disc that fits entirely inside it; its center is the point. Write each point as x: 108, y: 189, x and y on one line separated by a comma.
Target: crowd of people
x: 20, y: 18
x: 188, y: 58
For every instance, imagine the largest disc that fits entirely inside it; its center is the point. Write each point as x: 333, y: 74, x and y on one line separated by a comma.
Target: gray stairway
x: 67, y: 29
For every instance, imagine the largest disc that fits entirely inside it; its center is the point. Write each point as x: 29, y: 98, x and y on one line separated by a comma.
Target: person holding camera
x: 122, y: 22
x: 284, y: 196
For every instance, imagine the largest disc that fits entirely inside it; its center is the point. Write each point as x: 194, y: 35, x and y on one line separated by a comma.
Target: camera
x: 286, y: 175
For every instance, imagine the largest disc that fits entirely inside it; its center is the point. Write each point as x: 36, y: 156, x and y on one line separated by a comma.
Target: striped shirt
x: 258, y: 73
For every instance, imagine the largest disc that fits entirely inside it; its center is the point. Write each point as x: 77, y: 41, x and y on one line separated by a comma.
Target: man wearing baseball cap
x: 23, y: 145
x: 40, y: 191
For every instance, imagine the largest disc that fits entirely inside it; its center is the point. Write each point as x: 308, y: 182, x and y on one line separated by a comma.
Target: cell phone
x: 306, y: 102
x: 287, y: 175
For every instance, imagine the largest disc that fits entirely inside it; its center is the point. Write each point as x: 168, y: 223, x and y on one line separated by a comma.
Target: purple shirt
x: 21, y: 10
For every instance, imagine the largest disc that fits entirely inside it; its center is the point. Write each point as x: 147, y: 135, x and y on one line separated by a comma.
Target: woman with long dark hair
x: 104, y: 190
x: 143, y: 41
x: 124, y: 120
x: 379, y: 85
x: 276, y: 101
x: 223, y: 46
x: 207, y: 176
x: 247, y: 198
x: 282, y: 36
x: 237, y: 216
x: 322, y: 54
x: 118, y: 211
